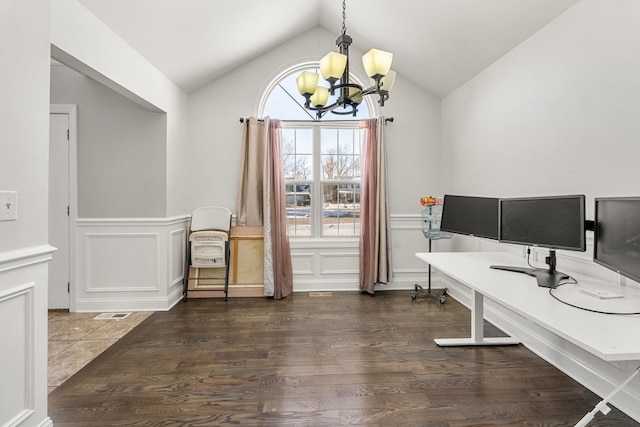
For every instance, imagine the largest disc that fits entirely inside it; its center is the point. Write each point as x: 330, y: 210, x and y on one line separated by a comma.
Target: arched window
x: 321, y: 162
x: 283, y: 101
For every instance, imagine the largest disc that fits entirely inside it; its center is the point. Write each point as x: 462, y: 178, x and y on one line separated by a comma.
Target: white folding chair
x: 208, y: 246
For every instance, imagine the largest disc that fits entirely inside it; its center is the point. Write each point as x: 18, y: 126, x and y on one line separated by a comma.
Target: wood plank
x: 348, y: 359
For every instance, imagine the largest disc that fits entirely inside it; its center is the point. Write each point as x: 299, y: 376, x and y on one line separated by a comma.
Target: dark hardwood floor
x: 345, y: 359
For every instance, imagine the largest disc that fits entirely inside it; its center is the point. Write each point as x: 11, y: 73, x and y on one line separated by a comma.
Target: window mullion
x: 317, y: 182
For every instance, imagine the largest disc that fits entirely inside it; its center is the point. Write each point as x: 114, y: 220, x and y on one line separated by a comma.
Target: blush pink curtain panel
x: 276, y: 215
x: 375, y: 236
x: 261, y: 200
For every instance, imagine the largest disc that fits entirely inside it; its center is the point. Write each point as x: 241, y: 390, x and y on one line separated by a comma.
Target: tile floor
x: 75, y: 339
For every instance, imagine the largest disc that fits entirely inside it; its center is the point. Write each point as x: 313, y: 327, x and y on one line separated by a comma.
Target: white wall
x: 122, y: 149
x: 24, y: 117
x: 557, y: 115
x: 24, y: 253
x: 412, y: 141
x: 84, y: 43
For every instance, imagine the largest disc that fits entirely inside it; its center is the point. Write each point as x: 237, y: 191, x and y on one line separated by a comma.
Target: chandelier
x: 334, y: 68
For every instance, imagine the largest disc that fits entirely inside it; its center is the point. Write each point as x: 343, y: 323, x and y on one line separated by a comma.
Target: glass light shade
x: 387, y: 81
x: 377, y: 62
x: 353, y: 91
x: 332, y: 65
x: 320, y: 96
x: 307, y: 83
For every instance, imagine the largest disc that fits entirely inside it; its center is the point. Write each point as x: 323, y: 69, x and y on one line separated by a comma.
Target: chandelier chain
x: 344, y: 16
x: 347, y: 95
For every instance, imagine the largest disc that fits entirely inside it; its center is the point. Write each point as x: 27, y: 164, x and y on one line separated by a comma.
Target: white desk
x: 604, y: 335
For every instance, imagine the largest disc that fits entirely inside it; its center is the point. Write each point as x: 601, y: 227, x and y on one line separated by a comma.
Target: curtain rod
x: 387, y: 120
x: 242, y: 119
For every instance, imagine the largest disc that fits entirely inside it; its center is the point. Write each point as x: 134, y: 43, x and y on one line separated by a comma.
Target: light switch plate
x: 8, y: 205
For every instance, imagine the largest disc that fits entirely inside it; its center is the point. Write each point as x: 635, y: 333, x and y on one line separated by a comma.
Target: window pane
x: 345, y: 136
x: 341, y: 210
x: 304, y: 167
x: 299, y: 212
x: 280, y: 105
x: 340, y: 153
x: 329, y: 166
x: 357, y: 144
x: 356, y: 167
x: 288, y: 150
x: 288, y: 136
x: 304, y: 141
x: 329, y: 139
x: 346, y: 166
x: 297, y: 147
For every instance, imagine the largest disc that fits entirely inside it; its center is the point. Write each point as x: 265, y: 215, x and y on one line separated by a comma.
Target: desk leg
x: 477, y: 328
x: 602, y: 406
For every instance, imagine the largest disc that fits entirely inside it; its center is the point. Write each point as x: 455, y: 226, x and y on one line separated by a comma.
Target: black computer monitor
x: 617, y: 235
x: 470, y: 215
x: 553, y: 222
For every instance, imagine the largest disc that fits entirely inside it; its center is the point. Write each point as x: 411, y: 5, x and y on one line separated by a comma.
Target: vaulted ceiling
x: 437, y: 44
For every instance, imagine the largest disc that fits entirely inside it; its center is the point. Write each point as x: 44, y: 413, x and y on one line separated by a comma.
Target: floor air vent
x: 111, y: 316
x: 319, y: 294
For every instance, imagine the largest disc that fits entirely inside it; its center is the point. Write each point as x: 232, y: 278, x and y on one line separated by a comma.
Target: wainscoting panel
x: 339, y: 263
x: 324, y: 264
x: 302, y: 264
x: 178, y: 253
x: 23, y: 336
x: 333, y: 264
x: 17, y: 361
x: 130, y: 264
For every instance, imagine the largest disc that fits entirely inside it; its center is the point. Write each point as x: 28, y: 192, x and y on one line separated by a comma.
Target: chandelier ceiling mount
x: 334, y: 68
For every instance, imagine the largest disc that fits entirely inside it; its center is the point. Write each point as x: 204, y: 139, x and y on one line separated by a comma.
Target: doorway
x: 62, y: 204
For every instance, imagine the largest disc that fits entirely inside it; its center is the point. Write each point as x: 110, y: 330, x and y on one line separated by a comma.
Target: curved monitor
x: 470, y: 215
x: 554, y: 222
x: 617, y: 235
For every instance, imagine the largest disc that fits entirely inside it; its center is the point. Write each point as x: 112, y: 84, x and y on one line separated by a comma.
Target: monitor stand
x: 549, y: 278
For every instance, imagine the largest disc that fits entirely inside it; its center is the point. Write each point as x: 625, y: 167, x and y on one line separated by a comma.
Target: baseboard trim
x: 48, y: 422
x: 235, y: 291
x: 104, y: 305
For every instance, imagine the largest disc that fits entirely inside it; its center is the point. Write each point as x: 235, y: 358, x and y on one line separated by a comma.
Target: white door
x: 59, y: 268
